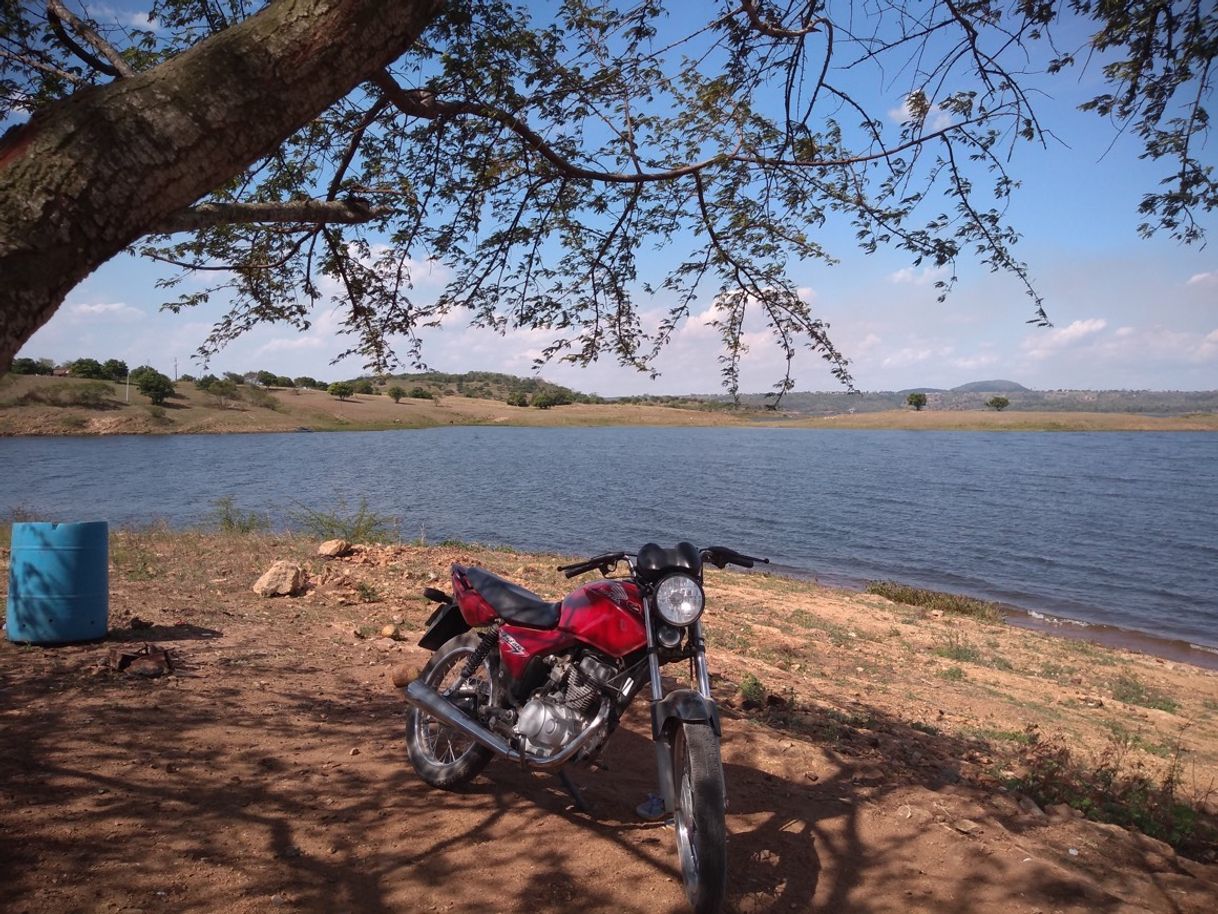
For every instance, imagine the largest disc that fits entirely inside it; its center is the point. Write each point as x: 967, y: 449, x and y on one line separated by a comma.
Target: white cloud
x: 291, y: 344
x: 972, y: 362
x: 936, y: 118
x: 913, y: 355
x: 917, y: 277
x: 1203, y: 279
x: 108, y: 310
x: 1042, y: 344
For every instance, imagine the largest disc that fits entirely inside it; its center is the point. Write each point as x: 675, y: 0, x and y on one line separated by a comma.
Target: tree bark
x: 86, y: 177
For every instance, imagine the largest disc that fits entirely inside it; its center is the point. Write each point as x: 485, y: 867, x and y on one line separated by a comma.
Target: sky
x: 1127, y: 313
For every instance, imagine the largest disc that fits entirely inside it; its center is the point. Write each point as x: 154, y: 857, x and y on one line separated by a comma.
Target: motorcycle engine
x: 560, y: 710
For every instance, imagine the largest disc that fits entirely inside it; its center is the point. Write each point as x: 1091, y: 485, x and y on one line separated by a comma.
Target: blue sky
x: 1127, y: 312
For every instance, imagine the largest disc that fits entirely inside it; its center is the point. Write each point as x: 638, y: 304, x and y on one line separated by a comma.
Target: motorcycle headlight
x: 679, y: 599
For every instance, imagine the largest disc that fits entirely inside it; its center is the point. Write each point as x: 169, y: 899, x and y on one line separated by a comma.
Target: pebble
x: 279, y: 900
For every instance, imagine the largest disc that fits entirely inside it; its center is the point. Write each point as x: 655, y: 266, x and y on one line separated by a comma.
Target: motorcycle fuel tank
x: 606, y: 615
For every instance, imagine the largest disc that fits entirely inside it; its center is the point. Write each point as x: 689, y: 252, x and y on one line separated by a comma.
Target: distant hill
x: 484, y: 385
x: 989, y: 387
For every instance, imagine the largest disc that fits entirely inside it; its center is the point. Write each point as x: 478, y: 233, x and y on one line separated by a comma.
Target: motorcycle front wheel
x: 699, y: 816
x: 443, y: 757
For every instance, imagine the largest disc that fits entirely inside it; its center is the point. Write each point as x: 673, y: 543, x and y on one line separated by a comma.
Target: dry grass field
x: 194, y: 412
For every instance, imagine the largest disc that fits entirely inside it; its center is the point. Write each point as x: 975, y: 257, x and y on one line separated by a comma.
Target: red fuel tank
x: 606, y: 615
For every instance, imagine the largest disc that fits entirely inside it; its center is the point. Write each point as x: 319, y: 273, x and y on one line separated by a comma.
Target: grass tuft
x: 362, y: 526
x: 1131, y: 690
x: 934, y: 599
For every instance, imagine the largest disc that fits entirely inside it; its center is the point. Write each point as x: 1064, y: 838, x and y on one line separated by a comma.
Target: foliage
x: 752, y: 689
x: 311, y: 383
x: 86, y: 394
x: 998, y: 403
x: 396, y: 393
x: 1113, y: 788
x: 224, y: 391
x: 238, y: 379
x: 263, y: 398
x: 535, y: 151
x: 206, y: 381
x: 917, y: 400
x: 266, y: 378
x: 228, y: 518
x: 933, y: 599
x: 88, y: 368
x: 518, y: 398
x: 341, y: 389
x: 153, y: 385
x: 421, y: 393
x: 1131, y: 690
x: 364, y: 386
x: 284, y: 381
x: 361, y: 526
x: 31, y: 366
x: 115, y: 369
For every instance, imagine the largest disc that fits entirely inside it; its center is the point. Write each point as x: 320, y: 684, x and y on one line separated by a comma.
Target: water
x: 1120, y: 529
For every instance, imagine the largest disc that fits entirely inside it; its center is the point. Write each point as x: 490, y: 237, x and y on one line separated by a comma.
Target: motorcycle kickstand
x: 567, y: 783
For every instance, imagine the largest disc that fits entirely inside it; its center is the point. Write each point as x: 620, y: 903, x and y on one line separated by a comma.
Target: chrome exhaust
x: 428, y: 700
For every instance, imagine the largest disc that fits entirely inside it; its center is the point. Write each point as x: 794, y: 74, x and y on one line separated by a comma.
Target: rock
x: 384, y: 644
x: 775, y: 701
x: 1028, y: 805
x: 967, y: 827
x: 389, y: 631
x: 334, y: 548
x: 1059, y: 812
x: 282, y: 579
x: 279, y: 900
x: 354, y: 751
x: 1092, y: 701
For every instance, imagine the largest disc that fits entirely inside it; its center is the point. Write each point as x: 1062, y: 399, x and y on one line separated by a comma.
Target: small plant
x: 263, y: 398
x: 956, y: 647
x: 752, y: 690
x: 158, y: 414
x: 362, y: 526
x: 367, y: 593
x: 228, y: 518
x: 933, y: 599
x: 132, y: 558
x: 1131, y: 690
x: 953, y: 674
x: 396, y: 393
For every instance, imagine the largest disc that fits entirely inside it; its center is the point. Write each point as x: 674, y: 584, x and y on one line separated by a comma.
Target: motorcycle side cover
x: 606, y: 615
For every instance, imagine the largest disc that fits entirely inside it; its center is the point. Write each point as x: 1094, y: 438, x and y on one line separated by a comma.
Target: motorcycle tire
x: 442, y: 757
x: 700, y: 800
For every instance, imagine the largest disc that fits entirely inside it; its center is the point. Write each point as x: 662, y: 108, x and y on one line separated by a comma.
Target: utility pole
x: 175, y: 369
x: 127, y: 395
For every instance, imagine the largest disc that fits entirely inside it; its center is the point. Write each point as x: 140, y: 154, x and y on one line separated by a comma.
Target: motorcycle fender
x: 445, y: 623
x: 684, y: 706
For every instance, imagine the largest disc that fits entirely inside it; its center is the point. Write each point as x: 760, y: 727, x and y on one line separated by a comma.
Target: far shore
x: 193, y: 412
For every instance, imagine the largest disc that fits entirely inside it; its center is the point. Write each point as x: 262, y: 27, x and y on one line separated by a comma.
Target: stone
x: 334, y: 548
x: 1028, y: 805
x: 1059, y: 812
x: 283, y: 579
x: 389, y: 631
x: 967, y: 827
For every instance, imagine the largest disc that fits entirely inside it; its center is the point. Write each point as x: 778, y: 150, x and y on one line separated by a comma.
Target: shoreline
x: 1135, y: 641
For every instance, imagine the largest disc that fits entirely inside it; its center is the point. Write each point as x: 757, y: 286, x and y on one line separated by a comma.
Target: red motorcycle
x: 544, y: 684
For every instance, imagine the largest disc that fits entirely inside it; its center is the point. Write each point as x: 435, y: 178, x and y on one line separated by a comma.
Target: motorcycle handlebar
x: 719, y: 556
x: 604, y: 562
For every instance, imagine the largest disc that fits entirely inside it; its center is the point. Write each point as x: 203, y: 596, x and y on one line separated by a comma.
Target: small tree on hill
x: 518, y: 398
x: 115, y: 369
x: 154, y: 385
x: 998, y: 403
x: 396, y: 392
x: 364, y: 386
x: 916, y: 400
x: 88, y: 368
x: 225, y: 391
x: 341, y: 389
x: 421, y: 393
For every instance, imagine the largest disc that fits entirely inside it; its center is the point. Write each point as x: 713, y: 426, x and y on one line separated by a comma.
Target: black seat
x: 511, y: 601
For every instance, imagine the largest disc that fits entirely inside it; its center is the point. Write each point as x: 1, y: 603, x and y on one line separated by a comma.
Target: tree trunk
x: 88, y: 176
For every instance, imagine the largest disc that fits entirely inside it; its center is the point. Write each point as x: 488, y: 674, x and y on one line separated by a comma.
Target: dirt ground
x: 268, y: 771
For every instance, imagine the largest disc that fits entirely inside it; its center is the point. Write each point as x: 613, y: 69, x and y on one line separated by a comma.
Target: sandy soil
x: 193, y: 412
x: 268, y: 771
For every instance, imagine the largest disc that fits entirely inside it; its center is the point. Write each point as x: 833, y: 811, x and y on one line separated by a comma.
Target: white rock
x: 282, y: 579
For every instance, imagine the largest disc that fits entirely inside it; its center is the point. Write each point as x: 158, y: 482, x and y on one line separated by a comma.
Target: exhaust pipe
x: 428, y: 700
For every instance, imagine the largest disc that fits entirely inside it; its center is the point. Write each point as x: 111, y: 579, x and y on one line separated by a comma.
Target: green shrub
x: 998, y: 403
x: 259, y: 396
x: 421, y: 393
x: 396, y: 393
x: 752, y: 689
x: 341, y: 389
x: 153, y: 385
x: 1131, y: 690
x: 225, y: 392
x: 933, y: 599
x: 362, y: 526
x: 228, y: 518
x: 87, y: 394
x: 916, y: 400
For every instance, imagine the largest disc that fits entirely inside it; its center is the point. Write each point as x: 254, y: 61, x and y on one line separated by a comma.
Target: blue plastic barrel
x: 59, y: 583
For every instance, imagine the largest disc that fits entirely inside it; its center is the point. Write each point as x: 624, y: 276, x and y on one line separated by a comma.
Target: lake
x: 1110, y: 528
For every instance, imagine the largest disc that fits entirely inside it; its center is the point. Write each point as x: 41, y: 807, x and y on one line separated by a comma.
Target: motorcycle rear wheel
x: 699, y: 816
x: 443, y: 757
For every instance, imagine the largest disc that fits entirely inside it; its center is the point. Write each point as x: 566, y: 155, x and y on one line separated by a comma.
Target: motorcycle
x: 544, y: 684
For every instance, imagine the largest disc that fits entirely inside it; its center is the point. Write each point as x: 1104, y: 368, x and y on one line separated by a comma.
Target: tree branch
x: 57, y: 14
x: 349, y: 212
x: 772, y: 29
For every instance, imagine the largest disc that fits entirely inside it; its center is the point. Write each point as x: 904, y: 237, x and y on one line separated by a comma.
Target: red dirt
x: 269, y: 772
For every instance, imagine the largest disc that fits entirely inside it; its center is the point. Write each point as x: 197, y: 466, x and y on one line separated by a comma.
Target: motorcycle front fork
x: 663, y: 745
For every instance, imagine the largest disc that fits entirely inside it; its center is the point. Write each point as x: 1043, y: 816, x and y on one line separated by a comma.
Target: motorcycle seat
x: 513, y: 603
